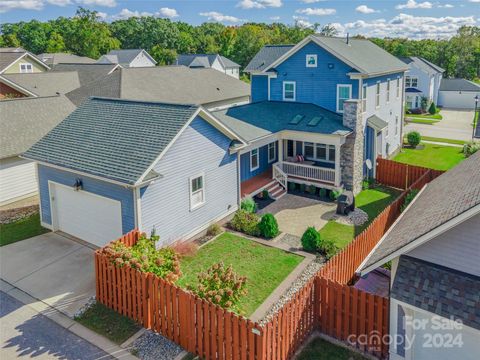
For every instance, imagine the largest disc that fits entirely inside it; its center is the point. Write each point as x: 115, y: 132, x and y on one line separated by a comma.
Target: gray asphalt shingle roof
x: 376, y: 123
x: 112, y: 138
x: 458, y: 85
x: 204, y: 60
x: 87, y: 72
x: 7, y: 58
x: 124, y: 56
x: 443, y: 199
x: 266, y: 56
x: 259, y: 119
x: 46, y: 83
x: 24, y: 121
x: 438, y: 289
x: 57, y: 58
x: 422, y: 64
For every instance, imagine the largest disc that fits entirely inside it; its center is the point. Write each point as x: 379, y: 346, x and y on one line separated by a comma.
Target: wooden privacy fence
x: 325, y: 303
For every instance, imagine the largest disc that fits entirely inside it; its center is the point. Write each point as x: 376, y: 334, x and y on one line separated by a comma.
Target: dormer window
x: 26, y: 68
x: 311, y: 60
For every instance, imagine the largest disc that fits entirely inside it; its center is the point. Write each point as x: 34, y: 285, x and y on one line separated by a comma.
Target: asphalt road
x: 24, y: 334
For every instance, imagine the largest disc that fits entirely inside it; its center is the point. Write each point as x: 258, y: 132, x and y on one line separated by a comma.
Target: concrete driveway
x: 456, y: 124
x: 51, y: 268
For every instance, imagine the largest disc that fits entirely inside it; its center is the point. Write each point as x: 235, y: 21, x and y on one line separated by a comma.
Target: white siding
x: 424, y: 81
x: 18, y: 179
x: 458, y: 248
x: 141, y: 60
x: 457, y: 100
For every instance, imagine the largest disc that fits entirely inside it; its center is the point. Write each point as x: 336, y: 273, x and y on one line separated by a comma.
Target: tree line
x: 86, y: 34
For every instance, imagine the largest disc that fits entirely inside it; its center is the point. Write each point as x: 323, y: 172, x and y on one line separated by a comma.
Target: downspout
x: 402, y: 110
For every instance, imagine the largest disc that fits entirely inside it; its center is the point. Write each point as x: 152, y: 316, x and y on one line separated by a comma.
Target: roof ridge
x: 105, y: 98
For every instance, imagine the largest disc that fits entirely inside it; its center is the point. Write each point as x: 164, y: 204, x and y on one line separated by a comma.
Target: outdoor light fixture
x: 78, y: 185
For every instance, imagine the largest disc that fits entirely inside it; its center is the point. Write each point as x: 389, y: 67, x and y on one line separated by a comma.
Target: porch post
x: 337, y: 165
x: 280, y: 150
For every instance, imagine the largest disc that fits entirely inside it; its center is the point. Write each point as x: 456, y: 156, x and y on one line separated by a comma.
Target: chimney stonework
x: 351, y: 157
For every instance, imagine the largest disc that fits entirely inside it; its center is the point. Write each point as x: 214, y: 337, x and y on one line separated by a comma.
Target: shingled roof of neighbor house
x: 46, y: 83
x: 458, y: 85
x: 422, y: 64
x: 266, y: 56
x: 204, y: 60
x: 24, y: 121
x: 172, y: 84
x: 57, y: 58
x: 87, y: 72
x: 112, y: 138
x: 438, y: 289
x: 123, y: 56
x: 433, y: 207
x: 256, y: 120
x: 9, y: 55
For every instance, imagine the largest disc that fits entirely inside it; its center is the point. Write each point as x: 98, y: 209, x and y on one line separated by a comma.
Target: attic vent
x: 296, y: 120
x: 315, y: 121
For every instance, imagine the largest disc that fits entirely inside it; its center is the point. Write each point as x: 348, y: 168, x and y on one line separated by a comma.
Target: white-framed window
x: 272, y: 152
x: 398, y: 88
x: 308, y: 150
x: 396, y: 125
x: 388, y: 90
x: 320, y: 152
x: 331, y: 153
x: 289, y: 88
x: 26, y: 68
x: 311, y: 60
x: 254, y: 159
x: 344, y: 92
x: 197, y: 191
x: 377, y: 95
x: 411, y: 81
x: 364, y: 98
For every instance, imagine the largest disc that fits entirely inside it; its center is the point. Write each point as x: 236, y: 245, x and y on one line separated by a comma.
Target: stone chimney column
x: 351, y: 158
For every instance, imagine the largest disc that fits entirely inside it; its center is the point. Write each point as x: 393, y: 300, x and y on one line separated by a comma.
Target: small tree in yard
x: 310, y: 239
x: 268, y: 226
x: 413, y: 138
x: 432, y: 109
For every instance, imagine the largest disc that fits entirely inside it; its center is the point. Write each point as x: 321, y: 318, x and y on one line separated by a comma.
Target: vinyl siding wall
x: 259, y: 88
x: 15, y: 67
x: 264, y: 165
x: 141, y: 60
x: 165, y: 203
x: 94, y: 186
x: 18, y: 179
x: 424, y: 83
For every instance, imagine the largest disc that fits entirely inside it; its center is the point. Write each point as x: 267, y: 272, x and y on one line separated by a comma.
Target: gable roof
x: 423, y: 64
x: 259, y: 119
x: 172, y: 84
x: 25, y: 120
x: 46, y: 83
x: 87, y: 72
x: 266, y: 56
x: 124, y: 56
x: 57, y: 58
x: 112, y: 138
x: 459, y: 85
x: 433, y: 207
x: 7, y: 58
x: 204, y: 60
x: 438, y: 289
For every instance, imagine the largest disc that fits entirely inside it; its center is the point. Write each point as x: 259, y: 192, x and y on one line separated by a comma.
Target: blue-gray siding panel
x: 259, y: 88
x: 98, y: 187
x: 245, y: 172
x: 165, y: 204
x: 313, y: 85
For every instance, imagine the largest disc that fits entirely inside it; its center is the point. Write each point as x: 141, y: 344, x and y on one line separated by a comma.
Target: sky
x: 415, y: 19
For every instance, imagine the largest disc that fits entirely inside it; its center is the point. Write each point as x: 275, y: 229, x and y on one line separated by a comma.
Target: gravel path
x: 152, y: 346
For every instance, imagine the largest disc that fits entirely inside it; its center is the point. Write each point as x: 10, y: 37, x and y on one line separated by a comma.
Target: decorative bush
x: 413, y: 138
x: 368, y: 183
x: 327, y: 247
x: 265, y: 194
x: 245, y: 222
x: 322, y: 193
x: 334, y: 194
x: 432, y: 109
x: 423, y: 103
x: 408, y: 199
x: 221, y: 286
x: 291, y: 186
x: 249, y: 205
x: 312, y: 189
x: 268, y: 226
x: 470, y: 148
x: 310, y: 239
x: 145, y: 257
x: 214, y: 230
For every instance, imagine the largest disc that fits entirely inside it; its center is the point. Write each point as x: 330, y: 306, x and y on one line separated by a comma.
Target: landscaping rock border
x: 153, y: 346
x: 12, y: 215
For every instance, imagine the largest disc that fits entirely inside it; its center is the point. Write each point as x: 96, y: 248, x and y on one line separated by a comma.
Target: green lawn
x: 443, y: 140
x: 320, y: 349
x: 422, y: 121
x: 436, y: 116
x: 372, y: 201
x: 438, y: 157
x: 108, y: 323
x: 265, y: 267
x: 22, y: 229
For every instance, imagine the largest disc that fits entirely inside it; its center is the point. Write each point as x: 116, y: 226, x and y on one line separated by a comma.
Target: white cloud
x: 259, y: 4
x: 7, y: 5
x: 106, y: 3
x: 446, y: 6
x: 168, y: 13
x: 102, y: 15
x: 316, y: 11
x: 302, y: 22
x: 126, y: 13
x: 275, y: 18
x: 474, y: 1
x: 364, y: 9
x: 311, y: 1
x: 219, y: 17
x: 60, y: 2
x: 412, y: 4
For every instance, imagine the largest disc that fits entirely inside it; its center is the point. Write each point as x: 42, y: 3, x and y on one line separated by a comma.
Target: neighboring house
x: 114, y: 165
x: 422, y: 80
x: 434, y: 248
x: 458, y: 94
x: 88, y: 73
x: 57, y: 58
x: 18, y: 60
x: 22, y: 123
x: 210, y: 61
x: 345, y: 103
x: 172, y: 84
x: 128, y: 58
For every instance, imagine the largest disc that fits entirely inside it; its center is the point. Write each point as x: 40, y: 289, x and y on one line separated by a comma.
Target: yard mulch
x: 320, y: 349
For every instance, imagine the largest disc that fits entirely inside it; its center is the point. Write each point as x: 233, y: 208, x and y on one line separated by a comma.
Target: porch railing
x: 307, y: 172
x: 279, y: 175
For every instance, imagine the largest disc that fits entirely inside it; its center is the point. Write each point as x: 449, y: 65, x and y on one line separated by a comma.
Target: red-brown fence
x: 326, y: 303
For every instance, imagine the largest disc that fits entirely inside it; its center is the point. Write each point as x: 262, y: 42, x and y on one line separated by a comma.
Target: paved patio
x: 295, y: 213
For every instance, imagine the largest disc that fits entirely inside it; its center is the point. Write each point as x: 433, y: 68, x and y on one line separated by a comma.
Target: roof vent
x: 315, y: 120
x: 296, y: 119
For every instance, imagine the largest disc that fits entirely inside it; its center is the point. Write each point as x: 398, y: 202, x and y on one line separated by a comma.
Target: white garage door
x: 456, y: 100
x: 89, y: 217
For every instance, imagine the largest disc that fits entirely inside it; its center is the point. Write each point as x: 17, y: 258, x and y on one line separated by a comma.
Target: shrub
x: 334, y: 194
x: 416, y: 111
x: 310, y: 239
x: 245, y: 222
x: 291, y: 186
x: 413, y: 138
x: 322, y: 193
x: 423, y: 103
x: 185, y: 248
x: 268, y: 226
x: 249, y: 205
x: 327, y: 247
x: 368, y: 183
x: 470, y: 148
x: 214, y: 230
x: 312, y: 189
x: 432, y: 109
x: 265, y: 194
x: 221, y: 286
x: 145, y: 257
x: 408, y: 199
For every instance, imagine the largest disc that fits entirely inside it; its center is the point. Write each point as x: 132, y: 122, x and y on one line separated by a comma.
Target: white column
x: 337, y: 165
x: 280, y: 149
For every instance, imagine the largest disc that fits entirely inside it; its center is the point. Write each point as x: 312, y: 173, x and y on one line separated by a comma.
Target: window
x: 321, y: 151
x: 308, y: 150
x: 344, y: 92
x: 398, y: 88
x: 411, y: 81
x: 272, y: 152
x: 197, y: 191
x: 364, y: 98
x: 377, y: 96
x: 254, y: 163
x: 388, y: 90
x: 331, y: 153
x: 325, y: 152
x: 311, y: 60
x: 290, y: 152
x: 396, y: 125
x: 26, y: 68
x: 289, y: 90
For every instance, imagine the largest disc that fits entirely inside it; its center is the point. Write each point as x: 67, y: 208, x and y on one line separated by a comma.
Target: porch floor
x: 255, y: 183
